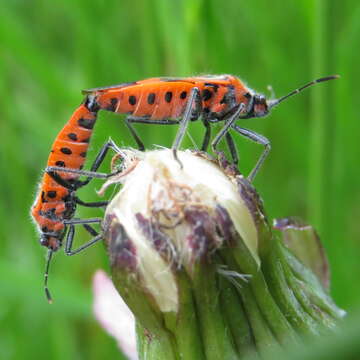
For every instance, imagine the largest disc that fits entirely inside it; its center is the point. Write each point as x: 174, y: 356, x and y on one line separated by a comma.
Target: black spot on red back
x: 66, y: 151
x: 206, y: 95
x: 86, y: 123
x: 72, y: 136
x: 132, y: 100
x: 113, y: 104
x: 51, y: 194
x: 60, y: 163
x: 151, y: 98
x: 168, y: 96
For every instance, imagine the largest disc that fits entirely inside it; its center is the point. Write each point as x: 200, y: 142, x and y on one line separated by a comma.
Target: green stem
x: 216, y: 337
x: 236, y: 317
x: 185, y: 324
x: 263, y: 335
x: 155, y: 337
x: 245, y: 264
x: 265, y: 340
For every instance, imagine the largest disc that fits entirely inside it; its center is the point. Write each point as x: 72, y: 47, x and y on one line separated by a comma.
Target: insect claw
x: 177, y: 159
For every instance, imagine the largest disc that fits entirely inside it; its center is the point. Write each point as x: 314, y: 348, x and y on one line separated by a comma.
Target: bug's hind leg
x: 71, y: 233
x: 260, y: 139
x: 206, y: 140
x: 194, y: 98
x: 232, y: 148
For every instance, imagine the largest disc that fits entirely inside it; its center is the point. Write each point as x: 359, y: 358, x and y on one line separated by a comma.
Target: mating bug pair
x: 164, y: 101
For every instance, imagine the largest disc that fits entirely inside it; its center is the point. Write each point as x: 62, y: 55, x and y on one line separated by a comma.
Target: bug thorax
x: 70, y: 205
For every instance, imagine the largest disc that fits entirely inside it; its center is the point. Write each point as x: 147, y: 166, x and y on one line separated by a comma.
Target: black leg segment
x: 207, y: 135
x: 229, y: 122
x: 260, y: 139
x: 189, y: 113
x: 232, y: 147
x: 134, y: 134
x: 71, y: 233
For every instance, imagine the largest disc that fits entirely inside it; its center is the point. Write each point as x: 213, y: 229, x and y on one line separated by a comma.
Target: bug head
x: 273, y: 102
x: 260, y: 105
x: 51, y: 240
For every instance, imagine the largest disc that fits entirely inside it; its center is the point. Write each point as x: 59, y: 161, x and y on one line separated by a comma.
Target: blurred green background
x: 50, y: 50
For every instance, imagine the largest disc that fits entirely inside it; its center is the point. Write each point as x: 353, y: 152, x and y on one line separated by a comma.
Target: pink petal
x: 113, y: 314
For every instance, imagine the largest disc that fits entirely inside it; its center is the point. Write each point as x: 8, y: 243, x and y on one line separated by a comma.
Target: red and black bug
x: 180, y: 100
x: 56, y: 201
x: 153, y: 101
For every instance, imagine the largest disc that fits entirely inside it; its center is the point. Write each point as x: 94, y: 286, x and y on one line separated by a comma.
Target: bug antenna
x: 46, y: 276
x: 272, y: 103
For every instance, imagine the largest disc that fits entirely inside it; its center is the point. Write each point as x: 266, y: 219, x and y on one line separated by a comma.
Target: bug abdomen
x: 71, y: 145
x: 155, y: 101
x: 69, y: 150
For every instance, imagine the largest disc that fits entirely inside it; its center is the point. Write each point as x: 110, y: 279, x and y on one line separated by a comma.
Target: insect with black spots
x: 166, y: 101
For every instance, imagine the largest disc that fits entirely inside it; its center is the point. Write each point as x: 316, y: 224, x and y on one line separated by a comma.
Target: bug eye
x: 261, y: 99
x: 44, y: 241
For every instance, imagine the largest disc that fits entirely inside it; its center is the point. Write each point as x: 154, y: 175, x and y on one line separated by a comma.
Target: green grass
x: 49, y: 51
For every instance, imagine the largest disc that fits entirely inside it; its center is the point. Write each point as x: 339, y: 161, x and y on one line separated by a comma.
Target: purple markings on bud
x: 252, y: 200
x: 203, y: 236
x: 229, y: 168
x: 159, y: 239
x: 225, y: 225
x: 120, y: 247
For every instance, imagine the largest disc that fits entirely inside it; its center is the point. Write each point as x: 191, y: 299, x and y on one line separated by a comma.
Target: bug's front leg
x: 225, y: 129
x: 259, y: 139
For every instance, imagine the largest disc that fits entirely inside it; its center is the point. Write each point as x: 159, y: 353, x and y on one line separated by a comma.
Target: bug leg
x: 98, y: 161
x: 194, y: 98
x: 229, y: 122
x: 260, y: 139
x: 90, y: 230
x: 134, y: 134
x: 232, y: 148
x: 91, y: 204
x: 207, y: 135
x: 71, y: 234
x: 51, y: 171
x: 82, y: 221
x: 68, y: 245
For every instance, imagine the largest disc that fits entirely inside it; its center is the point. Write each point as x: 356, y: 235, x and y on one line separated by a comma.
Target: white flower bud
x: 170, y: 216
